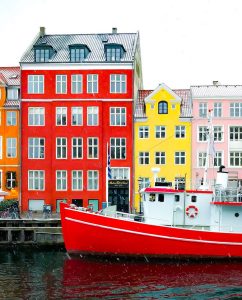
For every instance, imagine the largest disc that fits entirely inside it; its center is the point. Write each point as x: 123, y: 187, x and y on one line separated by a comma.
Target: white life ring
x: 191, y: 211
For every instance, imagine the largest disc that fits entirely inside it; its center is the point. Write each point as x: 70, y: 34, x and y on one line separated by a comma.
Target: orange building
x: 9, y: 131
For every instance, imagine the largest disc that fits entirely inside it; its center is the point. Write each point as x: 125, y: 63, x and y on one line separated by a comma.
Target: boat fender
x: 191, y: 211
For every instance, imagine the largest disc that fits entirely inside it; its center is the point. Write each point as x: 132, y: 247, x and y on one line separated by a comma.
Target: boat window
x: 161, y: 198
x: 236, y: 215
x: 177, y: 198
x: 152, y: 197
x: 194, y: 198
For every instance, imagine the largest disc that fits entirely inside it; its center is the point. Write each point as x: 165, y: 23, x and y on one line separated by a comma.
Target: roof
x: 216, y: 91
x: 10, y: 76
x: 12, y: 104
x: 184, y: 94
x: 95, y: 42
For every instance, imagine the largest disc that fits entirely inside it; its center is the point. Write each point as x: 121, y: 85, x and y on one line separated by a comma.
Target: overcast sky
x: 183, y: 42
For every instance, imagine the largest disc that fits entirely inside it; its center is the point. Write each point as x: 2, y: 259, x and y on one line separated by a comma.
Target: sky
x: 183, y: 42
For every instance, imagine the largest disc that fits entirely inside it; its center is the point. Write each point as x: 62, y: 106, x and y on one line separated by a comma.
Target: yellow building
x: 9, y: 131
x: 162, y: 139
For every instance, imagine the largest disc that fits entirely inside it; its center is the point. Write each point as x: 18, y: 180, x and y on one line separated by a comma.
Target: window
x: 118, y: 148
x: 43, y: 53
x: 61, y: 180
x: 78, y: 53
x: 180, y: 131
x: 11, y: 118
x: 92, y: 144
x: 120, y: 173
x: 218, y: 159
x: 144, y: 158
x: 180, y: 158
x: 161, y: 197
x: 76, y: 116
x: 77, y: 147
x: 194, y: 199
x: 36, y: 148
x: 160, y: 158
x: 77, y: 180
x: 143, y: 132
x: 236, y: 109
x: 76, y: 84
x: 35, y: 84
x: 117, y: 116
x: 152, y: 197
x: 12, y: 94
x: 160, y: 132
x: 114, y: 52
x: 61, y: 116
x: 11, y: 180
x: 61, y: 84
x: 92, y: 180
x: 217, y: 133
x: 203, y: 110
x: 235, y: 158
x: 235, y: 133
x: 92, y: 83
x: 36, y: 116
x: 11, y: 147
x: 144, y: 182
x: 177, y: 198
x: 162, y: 107
x: 180, y: 183
x: 92, y: 116
x: 202, y: 133
x: 217, y: 110
x: 118, y: 84
x: 202, y: 159
x: 36, y: 180
x: 61, y: 148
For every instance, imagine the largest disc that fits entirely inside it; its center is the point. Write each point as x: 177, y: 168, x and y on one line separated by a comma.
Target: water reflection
x: 51, y: 275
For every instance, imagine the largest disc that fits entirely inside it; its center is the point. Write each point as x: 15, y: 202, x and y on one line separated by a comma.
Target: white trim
x: 77, y: 66
x: 165, y: 87
x: 156, y: 235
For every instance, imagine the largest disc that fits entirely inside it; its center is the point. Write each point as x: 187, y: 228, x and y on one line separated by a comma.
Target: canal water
x: 42, y: 275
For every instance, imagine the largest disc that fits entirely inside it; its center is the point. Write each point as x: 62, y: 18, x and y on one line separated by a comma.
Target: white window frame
x: 180, y: 132
x: 161, y: 157
x: 11, y: 147
x: 11, y: 118
x: 37, y: 113
x: 38, y: 176
x: 61, y: 177
x: 77, y: 146
x: 117, y: 116
x: 217, y: 154
x: 61, y: 116
x: 218, y: 132
x: 61, y: 84
x: 92, y: 180
x: 12, y: 94
x: 76, y: 180
x: 203, y: 110
x: 144, y: 158
x: 239, y: 158
x: 202, y: 131
x: 234, y: 134
x: 181, y: 157
x: 92, y: 83
x: 118, y: 148
x: 76, y: 84
x: 201, y: 159
x: 92, y: 148
x: 160, y: 130
x: 62, y: 147
x: 217, y: 110
x: 144, y: 132
x: 36, y: 84
x: 77, y: 116
x: 92, y: 115
x: 120, y: 173
x: 118, y: 84
x: 36, y: 147
x: 235, y: 109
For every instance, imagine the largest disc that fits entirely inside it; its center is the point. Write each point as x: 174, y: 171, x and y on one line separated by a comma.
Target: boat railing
x: 228, y: 195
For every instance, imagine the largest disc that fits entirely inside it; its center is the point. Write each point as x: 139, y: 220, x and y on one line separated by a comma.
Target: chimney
x: 216, y: 82
x: 114, y: 30
x: 42, y: 31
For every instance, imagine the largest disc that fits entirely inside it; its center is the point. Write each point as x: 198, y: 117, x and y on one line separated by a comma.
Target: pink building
x: 225, y: 103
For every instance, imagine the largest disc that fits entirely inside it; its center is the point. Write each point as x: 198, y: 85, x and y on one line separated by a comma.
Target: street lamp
x: 140, y: 181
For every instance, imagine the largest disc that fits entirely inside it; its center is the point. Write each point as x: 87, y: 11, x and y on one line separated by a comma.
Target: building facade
x: 162, y: 139
x: 10, y: 131
x: 223, y: 103
x: 77, y: 116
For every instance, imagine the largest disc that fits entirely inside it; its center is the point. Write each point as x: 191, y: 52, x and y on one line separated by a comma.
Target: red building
x: 78, y: 94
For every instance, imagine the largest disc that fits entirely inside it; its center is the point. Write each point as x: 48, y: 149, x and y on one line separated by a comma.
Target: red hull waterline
x: 95, y: 234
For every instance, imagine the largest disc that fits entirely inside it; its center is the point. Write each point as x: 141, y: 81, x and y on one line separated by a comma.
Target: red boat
x: 175, y: 223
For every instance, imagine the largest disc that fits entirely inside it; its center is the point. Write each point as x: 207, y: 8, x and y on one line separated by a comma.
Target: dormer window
x: 78, y: 53
x: 162, y: 107
x: 43, y: 53
x: 114, y: 52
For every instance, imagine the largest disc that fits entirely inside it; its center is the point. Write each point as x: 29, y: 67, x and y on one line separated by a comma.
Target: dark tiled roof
x: 184, y: 94
x: 95, y: 42
x: 12, y: 104
x: 10, y: 75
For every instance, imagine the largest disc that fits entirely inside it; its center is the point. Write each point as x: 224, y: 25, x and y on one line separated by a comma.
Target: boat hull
x: 95, y: 234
